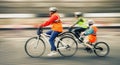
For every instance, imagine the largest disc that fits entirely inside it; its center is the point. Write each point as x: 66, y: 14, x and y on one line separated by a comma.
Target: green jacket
x: 82, y: 22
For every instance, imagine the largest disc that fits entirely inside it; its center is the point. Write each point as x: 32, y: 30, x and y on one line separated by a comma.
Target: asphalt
x: 12, y: 50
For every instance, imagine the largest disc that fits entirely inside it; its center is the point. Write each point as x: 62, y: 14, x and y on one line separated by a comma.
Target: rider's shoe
x: 52, y: 53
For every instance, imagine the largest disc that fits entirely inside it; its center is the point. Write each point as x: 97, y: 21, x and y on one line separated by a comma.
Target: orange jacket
x: 55, y: 21
x: 91, y: 32
x: 92, y: 37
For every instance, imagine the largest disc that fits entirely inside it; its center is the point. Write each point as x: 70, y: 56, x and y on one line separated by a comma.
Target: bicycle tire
x: 67, y: 52
x: 71, y: 34
x: 33, y: 51
x: 100, y: 50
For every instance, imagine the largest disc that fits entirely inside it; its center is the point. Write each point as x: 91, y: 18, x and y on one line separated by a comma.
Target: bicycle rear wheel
x: 71, y: 48
x: 101, y: 49
x: 35, y: 47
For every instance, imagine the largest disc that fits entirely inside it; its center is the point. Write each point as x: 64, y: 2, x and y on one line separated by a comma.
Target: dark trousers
x: 78, y: 31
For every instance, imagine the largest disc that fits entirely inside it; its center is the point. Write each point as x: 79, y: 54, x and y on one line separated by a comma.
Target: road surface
x: 12, y: 50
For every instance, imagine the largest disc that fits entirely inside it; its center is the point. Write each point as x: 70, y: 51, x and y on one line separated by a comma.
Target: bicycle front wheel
x: 101, y: 49
x: 71, y: 34
x: 71, y: 48
x: 35, y: 47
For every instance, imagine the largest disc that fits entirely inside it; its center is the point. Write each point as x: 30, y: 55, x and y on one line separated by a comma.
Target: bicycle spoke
x: 70, y: 47
x: 35, y: 47
x: 101, y: 49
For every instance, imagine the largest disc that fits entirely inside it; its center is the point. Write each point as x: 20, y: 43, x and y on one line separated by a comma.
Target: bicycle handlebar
x: 39, y: 31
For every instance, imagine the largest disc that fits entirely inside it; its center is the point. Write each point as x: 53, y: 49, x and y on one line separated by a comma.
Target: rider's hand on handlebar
x: 39, y: 30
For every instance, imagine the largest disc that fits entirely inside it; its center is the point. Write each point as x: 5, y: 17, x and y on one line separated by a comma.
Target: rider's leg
x: 78, y: 31
x: 87, y: 45
x: 49, y: 32
x: 54, y: 34
x: 87, y: 42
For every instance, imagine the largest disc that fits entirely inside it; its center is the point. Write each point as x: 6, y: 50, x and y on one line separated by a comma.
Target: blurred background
x: 29, y: 13
x: 19, y: 19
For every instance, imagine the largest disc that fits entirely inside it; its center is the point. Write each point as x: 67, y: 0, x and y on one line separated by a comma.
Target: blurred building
x: 65, y: 6
x: 28, y: 11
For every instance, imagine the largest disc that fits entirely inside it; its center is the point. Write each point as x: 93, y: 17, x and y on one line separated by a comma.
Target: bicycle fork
x: 37, y: 42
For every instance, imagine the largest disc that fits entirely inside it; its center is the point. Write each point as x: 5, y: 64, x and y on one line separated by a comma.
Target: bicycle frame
x: 44, y: 36
x: 80, y: 41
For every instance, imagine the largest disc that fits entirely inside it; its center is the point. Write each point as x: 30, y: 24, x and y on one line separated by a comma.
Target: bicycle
x: 101, y: 49
x: 35, y: 46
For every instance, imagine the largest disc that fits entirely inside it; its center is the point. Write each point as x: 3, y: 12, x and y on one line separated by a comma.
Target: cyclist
x: 56, y: 28
x: 81, y: 21
x: 90, y: 33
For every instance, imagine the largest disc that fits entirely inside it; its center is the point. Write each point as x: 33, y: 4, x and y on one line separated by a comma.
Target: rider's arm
x: 76, y: 23
x: 50, y: 21
x: 89, y: 31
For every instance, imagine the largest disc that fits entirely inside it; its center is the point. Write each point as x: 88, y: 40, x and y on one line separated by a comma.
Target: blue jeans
x: 53, y: 35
